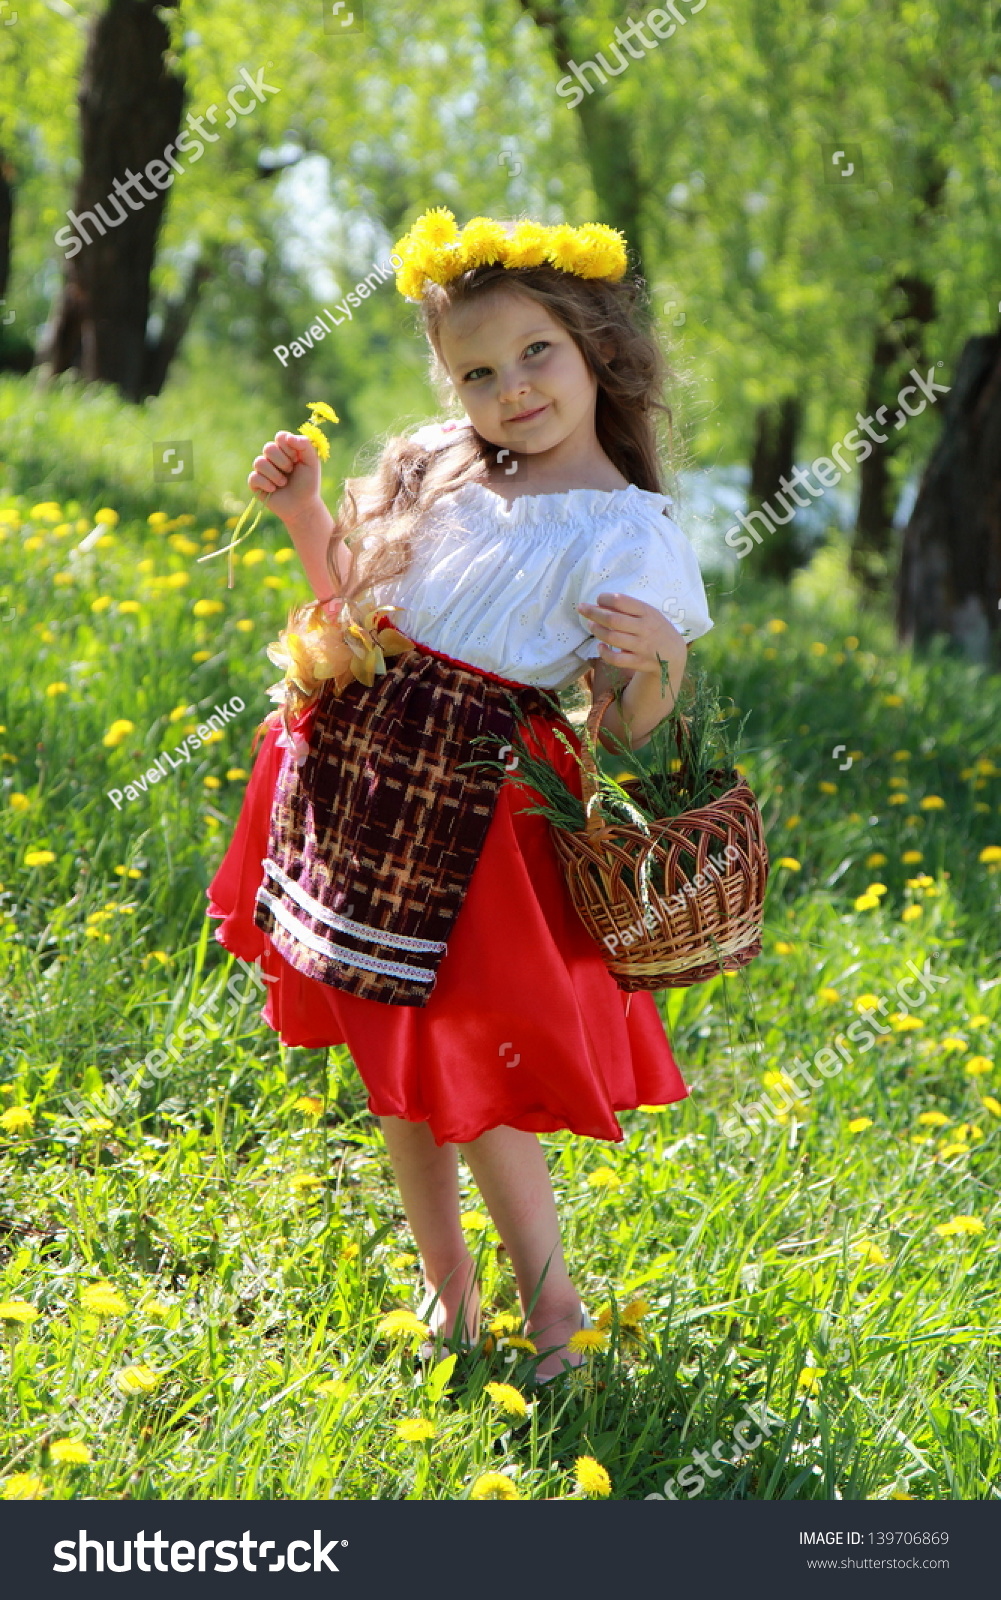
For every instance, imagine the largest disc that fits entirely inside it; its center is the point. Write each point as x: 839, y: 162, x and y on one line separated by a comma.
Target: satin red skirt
x: 525, y: 1026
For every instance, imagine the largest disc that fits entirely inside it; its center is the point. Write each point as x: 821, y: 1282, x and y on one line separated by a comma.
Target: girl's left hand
x: 638, y: 631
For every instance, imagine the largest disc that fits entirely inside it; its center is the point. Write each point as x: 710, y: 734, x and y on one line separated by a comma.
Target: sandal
x: 585, y: 1322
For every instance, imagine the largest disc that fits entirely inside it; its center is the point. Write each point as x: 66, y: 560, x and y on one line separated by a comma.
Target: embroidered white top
x: 497, y: 584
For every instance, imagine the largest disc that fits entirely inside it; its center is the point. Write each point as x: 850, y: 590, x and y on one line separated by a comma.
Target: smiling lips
x: 526, y: 416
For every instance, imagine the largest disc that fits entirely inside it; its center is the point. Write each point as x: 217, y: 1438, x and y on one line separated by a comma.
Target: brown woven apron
x: 374, y: 838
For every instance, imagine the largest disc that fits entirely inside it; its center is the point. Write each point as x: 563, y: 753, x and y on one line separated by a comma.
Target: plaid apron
x: 373, y: 840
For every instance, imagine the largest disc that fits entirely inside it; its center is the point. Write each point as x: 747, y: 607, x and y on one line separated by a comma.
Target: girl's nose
x: 512, y: 385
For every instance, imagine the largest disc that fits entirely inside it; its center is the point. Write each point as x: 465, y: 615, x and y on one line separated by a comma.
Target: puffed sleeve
x: 645, y: 555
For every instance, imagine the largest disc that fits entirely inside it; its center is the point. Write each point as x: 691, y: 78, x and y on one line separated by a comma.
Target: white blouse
x: 497, y: 584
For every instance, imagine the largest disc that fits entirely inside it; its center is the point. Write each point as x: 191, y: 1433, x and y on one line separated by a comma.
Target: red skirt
x: 525, y: 1026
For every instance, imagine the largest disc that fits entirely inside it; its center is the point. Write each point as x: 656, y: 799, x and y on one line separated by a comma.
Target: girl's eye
x: 477, y: 372
x: 539, y: 344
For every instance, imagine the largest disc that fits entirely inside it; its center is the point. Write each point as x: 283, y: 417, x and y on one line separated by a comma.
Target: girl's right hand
x: 286, y: 477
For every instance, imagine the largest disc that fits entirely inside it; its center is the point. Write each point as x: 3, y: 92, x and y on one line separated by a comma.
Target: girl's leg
x: 428, y: 1179
x: 512, y: 1176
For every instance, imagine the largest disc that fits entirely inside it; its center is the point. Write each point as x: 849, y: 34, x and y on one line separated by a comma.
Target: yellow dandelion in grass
x: 587, y: 1340
x: 790, y: 863
x: 826, y: 787
x: 71, y: 1452
x: 933, y: 1119
x: 977, y: 1065
x: 809, y: 1379
x: 899, y: 1494
x: 53, y: 689
x: 877, y: 859
x: 23, y: 1486
x: 992, y: 1105
x: 494, y: 1486
x: 235, y: 774
x: 253, y: 558
x: 350, y: 1252
x: 515, y: 1341
x: 878, y: 889
x: 899, y: 798
x: 156, y: 1308
x: 871, y: 1253
x: 793, y: 821
x: 867, y: 1002
x: 777, y: 625
x: 866, y: 902
x: 903, y: 1022
x: 102, y: 1299
x: 948, y: 1150
x: 859, y: 1124
x: 317, y: 439
x: 911, y: 858
x: 893, y: 699
x: 139, y: 1379
x: 17, y: 1119
x: 932, y: 802
x: 207, y: 608
x: 953, y: 1045
x: 119, y: 730
x: 106, y: 518
x: 402, y: 1325
x: 305, y: 1180
x: 632, y: 1314
x: 782, y: 947
x: 592, y: 1477
x: 604, y: 1178
x: 959, y: 1225
x: 474, y: 1221
x: 911, y: 913
x: 980, y: 1020
x: 505, y: 1322
x: 509, y: 1399
x: 18, y: 802
x: 415, y: 1429
x: 828, y: 995
x: 17, y: 1311
x: 310, y: 1103
x: 201, y: 655
x: 39, y: 858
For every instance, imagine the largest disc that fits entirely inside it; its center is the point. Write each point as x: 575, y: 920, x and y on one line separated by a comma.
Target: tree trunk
x: 16, y: 352
x: 607, y: 135
x: 773, y: 458
x: 130, y: 112
x: 898, y: 345
x: 950, y: 572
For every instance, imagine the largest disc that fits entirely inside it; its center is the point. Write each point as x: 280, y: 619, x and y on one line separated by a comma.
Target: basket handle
x: 589, y: 768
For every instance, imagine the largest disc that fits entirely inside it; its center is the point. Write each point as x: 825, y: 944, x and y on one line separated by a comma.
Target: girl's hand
x: 639, y: 632
x: 286, y: 478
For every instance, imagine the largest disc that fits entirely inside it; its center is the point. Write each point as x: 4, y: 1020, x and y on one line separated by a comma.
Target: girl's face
x: 522, y: 380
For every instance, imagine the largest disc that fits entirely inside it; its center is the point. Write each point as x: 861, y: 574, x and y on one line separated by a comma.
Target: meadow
x: 193, y: 1291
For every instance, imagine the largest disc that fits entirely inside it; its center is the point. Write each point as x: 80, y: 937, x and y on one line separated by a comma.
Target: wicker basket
x: 701, y: 919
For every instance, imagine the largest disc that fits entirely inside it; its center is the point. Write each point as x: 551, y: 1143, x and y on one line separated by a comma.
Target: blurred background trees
x: 812, y: 191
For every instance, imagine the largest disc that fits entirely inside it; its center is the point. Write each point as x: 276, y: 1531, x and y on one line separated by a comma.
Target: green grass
x: 807, y: 1246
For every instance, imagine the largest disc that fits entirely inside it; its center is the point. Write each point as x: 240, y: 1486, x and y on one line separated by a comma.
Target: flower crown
x: 435, y: 249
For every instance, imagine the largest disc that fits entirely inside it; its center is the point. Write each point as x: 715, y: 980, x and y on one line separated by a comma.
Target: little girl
x: 399, y: 897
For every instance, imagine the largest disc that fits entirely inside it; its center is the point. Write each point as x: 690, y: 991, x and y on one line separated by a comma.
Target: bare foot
x: 550, y: 1328
x: 444, y: 1315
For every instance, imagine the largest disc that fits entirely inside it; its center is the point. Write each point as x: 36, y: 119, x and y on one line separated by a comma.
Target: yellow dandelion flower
x: 592, y: 1477
x: 949, y: 1149
x: 156, y: 519
x: 827, y: 788
x: 39, y: 858
x: 777, y: 625
x: 818, y: 648
x: 877, y: 859
x: 483, y: 242
x: 893, y: 699
x: 911, y: 913
x: 253, y: 558
x: 333, y: 1389
x: 978, y: 1065
x: 436, y: 226
x: 990, y: 855
x: 828, y: 995
x: 866, y: 902
x: 527, y: 245
x: 874, y: 1256
x: 474, y: 1221
x: 899, y: 798
x: 17, y: 1118
x: 402, y: 1325
x: 783, y: 947
x: 207, y: 608
x: 851, y: 643
x: 103, y: 1300
x: 932, y: 802
x: 210, y: 781
x: 507, y: 1398
x: 790, y: 863
x: 877, y: 889
x: 19, y: 802
x: 603, y: 252
x: 156, y: 1308
x: 567, y: 250
x: 505, y: 1322
x: 235, y: 774
x: 317, y: 438
x: 133, y: 1380
x: 106, y: 517
x: 415, y: 1429
x: 494, y: 1486
x: 604, y: 1178
x: 515, y: 1341
x: 310, y: 1103
x: 859, y: 1124
x: 809, y: 1378
x: 953, y: 1045
x: 903, y: 1022
x: 980, y: 1020
x: 53, y: 689
x: 305, y: 1180
x: 910, y: 858
x: 70, y: 1451
x: 793, y: 822
x: 958, y: 1225
x: 867, y: 1002
x: 992, y: 1105
x: 351, y: 1252
x: 17, y: 1311
x: 22, y: 1486
x: 119, y: 730
x: 632, y: 1314
x: 319, y: 408
x: 588, y: 1339
x: 128, y: 608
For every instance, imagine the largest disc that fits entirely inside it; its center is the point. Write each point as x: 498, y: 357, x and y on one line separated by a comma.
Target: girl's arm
x: 286, y: 478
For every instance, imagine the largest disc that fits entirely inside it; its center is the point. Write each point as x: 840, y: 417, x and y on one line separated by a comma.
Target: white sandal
x: 585, y: 1322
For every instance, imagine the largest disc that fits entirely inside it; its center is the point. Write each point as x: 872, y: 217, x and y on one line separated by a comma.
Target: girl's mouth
x: 527, y: 416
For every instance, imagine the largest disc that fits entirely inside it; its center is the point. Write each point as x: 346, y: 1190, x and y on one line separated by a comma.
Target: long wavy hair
x: 380, y: 514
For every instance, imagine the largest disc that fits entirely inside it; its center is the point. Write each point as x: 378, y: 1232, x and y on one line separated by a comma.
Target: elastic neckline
x: 562, y: 505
